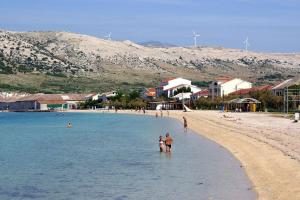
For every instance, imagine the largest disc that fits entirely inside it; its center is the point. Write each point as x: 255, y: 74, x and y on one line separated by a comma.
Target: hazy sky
x: 272, y: 25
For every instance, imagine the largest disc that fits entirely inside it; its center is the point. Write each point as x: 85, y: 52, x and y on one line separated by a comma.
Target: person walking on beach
x: 161, y: 144
x: 156, y: 115
x: 185, y: 124
x: 168, y: 142
x: 161, y: 113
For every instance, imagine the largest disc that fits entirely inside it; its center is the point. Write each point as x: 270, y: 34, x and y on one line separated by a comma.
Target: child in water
x: 69, y: 125
x: 161, y: 144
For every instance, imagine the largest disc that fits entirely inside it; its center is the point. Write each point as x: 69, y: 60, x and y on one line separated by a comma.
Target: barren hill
x: 62, y: 61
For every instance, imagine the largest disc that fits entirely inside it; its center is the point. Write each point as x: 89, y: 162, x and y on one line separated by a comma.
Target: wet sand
x: 268, y: 147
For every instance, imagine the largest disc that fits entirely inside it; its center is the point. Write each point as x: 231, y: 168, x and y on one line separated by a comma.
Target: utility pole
x: 182, y: 101
x: 223, y: 101
x: 287, y: 100
x: 284, y: 101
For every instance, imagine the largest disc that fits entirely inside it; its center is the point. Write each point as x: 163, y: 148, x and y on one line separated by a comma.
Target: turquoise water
x: 110, y: 156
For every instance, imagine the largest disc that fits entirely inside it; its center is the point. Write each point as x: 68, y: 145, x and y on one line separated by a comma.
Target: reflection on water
x: 109, y: 156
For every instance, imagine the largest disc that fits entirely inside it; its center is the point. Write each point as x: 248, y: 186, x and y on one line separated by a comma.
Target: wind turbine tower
x: 247, y: 44
x: 195, y: 36
x: 108, y: 36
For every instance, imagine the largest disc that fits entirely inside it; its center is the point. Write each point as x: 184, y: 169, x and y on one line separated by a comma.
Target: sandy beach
x: 267, y: 146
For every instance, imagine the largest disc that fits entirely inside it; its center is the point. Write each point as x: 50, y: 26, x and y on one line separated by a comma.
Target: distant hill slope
x: 156, y: 44
x: 69, y: 57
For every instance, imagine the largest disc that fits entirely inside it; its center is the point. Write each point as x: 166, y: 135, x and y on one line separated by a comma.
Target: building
x: 197, y: 95
x: 243, y: 105
x: 168, y: 87
x: 279, y: 88
x: 94, y: 96
x: 5, y: 103
x: 44, y: 102
x: 104, y: 97
x: 183, y: 95
x: 149, y: 94
x: 254, y: 89
x: 223, y: 86
x: 8, y: 98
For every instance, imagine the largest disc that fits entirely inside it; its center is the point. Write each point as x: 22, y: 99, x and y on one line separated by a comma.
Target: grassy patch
x: 33, y: 83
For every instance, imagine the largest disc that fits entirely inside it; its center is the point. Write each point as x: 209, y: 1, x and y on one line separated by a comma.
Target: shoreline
x: 273, y: 172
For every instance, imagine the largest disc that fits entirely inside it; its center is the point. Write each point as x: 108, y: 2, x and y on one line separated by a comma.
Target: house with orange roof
x: 197, y: 95
x: 149, y: 94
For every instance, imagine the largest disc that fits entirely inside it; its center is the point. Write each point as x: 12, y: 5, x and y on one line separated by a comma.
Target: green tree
x: 182, y: 90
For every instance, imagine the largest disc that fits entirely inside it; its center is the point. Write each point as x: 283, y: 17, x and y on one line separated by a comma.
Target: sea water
x: 112, y: 156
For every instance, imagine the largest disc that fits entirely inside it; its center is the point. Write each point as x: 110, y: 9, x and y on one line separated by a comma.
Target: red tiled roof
x: 151, y: 92
x: 201, y: 93
x: 32, y: 97
x: 247, y: 91
x: 51, y: 102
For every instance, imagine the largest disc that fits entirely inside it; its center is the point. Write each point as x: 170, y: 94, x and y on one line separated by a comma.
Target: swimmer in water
x: 161, y: 144
x: 168, y: 142
x: 69, y: 125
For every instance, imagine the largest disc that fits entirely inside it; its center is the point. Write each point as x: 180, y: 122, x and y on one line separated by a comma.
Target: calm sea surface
x: 110, y: 156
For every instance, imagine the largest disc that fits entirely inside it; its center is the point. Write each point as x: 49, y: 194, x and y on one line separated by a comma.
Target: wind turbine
x: 108, y: 36
x: 195, y: 36
x: 247, y: 44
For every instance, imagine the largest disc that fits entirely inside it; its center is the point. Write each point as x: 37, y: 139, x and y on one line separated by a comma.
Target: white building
x: 281, y: 87
x: 224, y: 86
x: 184, y: 95
x: 104, y: 97
x: 169, y: 86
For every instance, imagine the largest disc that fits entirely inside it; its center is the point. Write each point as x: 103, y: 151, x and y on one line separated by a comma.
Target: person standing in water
x: 161, y: 144
x: 185, y: 124
x: 168, y: 142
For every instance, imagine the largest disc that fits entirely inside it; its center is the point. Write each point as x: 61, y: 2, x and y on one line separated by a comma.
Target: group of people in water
x: 165, y: 144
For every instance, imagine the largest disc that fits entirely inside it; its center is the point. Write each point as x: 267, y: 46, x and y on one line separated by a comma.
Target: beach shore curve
x: 271, y: 161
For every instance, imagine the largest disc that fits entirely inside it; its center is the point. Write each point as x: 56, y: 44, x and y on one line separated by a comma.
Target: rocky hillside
x: 69, y: 55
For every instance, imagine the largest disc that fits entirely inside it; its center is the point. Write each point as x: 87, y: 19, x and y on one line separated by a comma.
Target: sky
x: 271, y: 25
